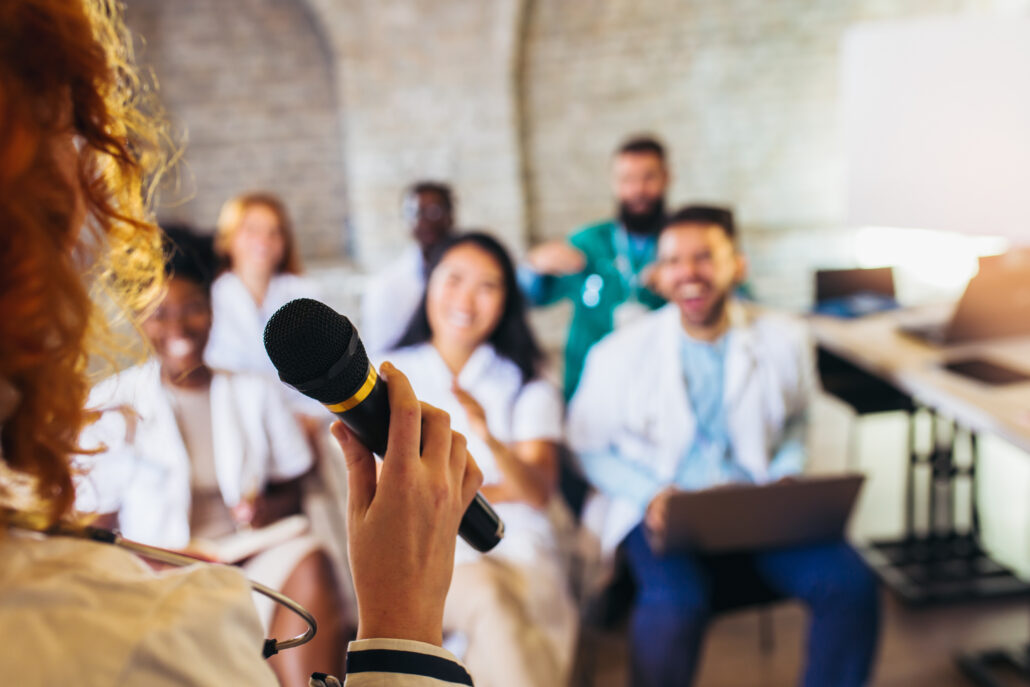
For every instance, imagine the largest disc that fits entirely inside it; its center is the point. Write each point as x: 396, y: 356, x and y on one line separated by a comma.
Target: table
x: 874, y: 344
x: 942, y: 563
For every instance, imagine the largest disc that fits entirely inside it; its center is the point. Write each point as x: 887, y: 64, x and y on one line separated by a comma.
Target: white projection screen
x: 936, y: 122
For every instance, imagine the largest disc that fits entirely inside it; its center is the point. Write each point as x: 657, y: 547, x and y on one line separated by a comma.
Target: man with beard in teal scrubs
x: 602, y: 267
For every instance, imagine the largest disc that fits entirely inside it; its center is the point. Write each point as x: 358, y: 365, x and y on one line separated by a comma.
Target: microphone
x: 316, y: 350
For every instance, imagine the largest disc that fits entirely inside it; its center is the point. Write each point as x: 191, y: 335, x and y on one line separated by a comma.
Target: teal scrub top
x: 614, y: 262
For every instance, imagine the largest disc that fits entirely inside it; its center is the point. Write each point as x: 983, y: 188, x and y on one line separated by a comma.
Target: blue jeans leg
x: 669, y: 615
x: 844, y: 602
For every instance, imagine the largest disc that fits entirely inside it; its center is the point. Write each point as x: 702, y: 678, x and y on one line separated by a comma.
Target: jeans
x: 673, y: 606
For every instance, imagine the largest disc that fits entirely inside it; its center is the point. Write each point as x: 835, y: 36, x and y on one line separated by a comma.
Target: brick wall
x: 427, y: 92
x: 743, y: 92
x: 251, y: 81
x: 518, y: 104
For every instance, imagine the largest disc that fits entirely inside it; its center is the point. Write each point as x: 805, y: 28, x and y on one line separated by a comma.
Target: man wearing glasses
x: 393, y: 294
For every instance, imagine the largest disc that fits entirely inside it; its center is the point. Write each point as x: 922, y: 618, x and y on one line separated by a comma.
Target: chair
x: 605, y: 608
x: 864, y: 393
x: 736, y: 585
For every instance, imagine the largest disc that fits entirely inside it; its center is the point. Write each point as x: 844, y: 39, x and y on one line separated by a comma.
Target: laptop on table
x: 995, y: 304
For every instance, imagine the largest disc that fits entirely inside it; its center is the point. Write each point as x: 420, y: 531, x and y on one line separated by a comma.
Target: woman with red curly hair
x: 75, y: 152
x: 78, y: 153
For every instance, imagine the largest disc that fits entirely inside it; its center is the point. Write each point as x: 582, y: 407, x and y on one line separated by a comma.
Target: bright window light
x: 939, y: 259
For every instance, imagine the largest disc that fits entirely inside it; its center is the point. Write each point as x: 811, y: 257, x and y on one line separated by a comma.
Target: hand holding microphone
x: 317, y: 351
x: 427, y: 482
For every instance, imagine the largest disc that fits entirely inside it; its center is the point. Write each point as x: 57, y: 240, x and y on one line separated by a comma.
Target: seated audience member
x: 84, y: 613
x: 470, y: 352
x: 392, y: 295
x: 196, y: 453
x: 602, y: 267
x: 256, y: 241
x: 700, y: 393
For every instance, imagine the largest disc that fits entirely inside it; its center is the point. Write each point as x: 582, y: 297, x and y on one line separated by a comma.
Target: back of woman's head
x: 231, y: 217
x: 189, y: 255
x: 78, y: 160
x: 512, y: 338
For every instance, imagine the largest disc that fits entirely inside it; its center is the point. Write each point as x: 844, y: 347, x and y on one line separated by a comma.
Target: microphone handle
x: 369, y: 420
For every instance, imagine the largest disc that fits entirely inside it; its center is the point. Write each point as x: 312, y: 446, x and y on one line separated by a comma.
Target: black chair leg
x: 766, y: 636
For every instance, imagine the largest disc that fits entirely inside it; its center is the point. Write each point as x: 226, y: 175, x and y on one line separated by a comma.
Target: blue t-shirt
x: 709, y: 459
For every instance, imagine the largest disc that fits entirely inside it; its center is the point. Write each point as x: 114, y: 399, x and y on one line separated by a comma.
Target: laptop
x: 748, y: 517
x: 995, y: 304
x: 833, y: 284
x: 854, y: 292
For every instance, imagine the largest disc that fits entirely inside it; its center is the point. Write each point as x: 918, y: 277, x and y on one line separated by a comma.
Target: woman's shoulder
x: 226, y: 281
x: 91, y: 570
x: 112, y: 599
x: 541, y: 391
x: 126, y: 385
x: 505, y: 376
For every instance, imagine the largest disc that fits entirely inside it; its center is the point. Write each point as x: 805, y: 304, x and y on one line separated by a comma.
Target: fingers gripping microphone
x: 317, y: 352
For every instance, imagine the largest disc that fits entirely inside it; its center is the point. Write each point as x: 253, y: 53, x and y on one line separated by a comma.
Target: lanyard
x: 624, y: 262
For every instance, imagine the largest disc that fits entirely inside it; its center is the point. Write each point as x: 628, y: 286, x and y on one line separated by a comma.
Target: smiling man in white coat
x: 703, y: 392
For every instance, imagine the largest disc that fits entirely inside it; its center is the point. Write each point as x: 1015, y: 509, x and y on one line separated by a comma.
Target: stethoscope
x: 271, y: 647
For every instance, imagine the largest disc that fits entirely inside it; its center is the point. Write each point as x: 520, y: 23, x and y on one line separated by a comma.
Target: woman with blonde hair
x: 77, y: 155
x: 255, y: 240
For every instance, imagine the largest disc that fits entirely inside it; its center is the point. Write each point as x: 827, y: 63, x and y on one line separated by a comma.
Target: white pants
x: 519, y: 623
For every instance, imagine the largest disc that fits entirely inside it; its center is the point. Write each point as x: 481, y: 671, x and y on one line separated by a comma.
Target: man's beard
x: 643, y: 223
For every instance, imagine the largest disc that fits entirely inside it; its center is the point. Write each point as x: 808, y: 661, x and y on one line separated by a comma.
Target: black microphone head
x: 305, y: 340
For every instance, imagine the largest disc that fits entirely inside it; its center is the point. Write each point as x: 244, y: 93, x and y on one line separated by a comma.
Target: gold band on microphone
x: 359, y: 395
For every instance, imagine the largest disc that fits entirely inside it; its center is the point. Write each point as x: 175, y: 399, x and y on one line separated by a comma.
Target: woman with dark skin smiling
x: 194, y: 454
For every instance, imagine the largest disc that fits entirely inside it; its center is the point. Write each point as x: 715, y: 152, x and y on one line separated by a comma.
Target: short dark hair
x: 189, y: 255
x: 512, y: 338
x: 704, y: 214
x: 439, y: 188
x: 644, y: 143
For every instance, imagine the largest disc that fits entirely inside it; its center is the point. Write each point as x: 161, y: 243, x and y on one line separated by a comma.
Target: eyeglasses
x: 413, y: 210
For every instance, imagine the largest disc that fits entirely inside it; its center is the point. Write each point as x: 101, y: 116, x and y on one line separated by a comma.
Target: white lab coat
x: 533, y: 542
x: 74, y: 612
x: 237, y: 339
x: 145, y: 473
x: 513, y: 412
x: 391, y: 298
x: 633, y: 399
x: 238, y: 323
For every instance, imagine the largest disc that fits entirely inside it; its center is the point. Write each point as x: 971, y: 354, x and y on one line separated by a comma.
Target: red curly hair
x: 78, y: 141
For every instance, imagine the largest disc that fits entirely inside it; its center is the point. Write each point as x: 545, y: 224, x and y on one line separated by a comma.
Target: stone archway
x: 252, y: 82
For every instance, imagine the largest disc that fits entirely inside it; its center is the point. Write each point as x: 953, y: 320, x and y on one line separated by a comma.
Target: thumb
x: 361, y: 469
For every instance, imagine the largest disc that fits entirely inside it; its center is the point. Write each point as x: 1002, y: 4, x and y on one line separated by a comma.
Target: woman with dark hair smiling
x: 469, y: 350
